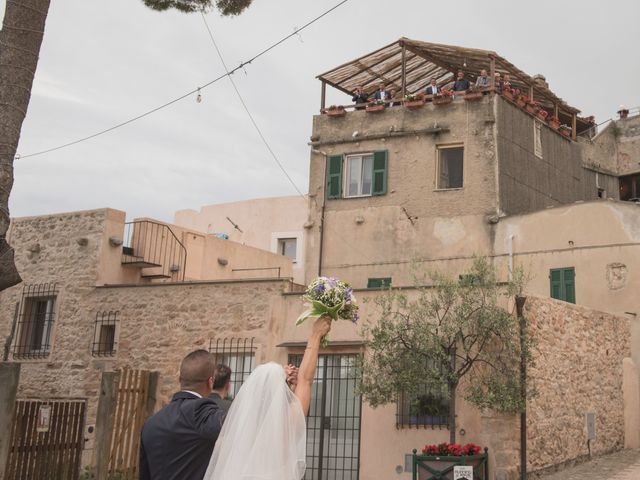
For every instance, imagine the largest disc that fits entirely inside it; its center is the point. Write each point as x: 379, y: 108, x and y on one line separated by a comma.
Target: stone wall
x: 579, y: 356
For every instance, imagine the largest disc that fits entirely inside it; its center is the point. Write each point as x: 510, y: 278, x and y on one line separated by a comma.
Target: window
x: 630, y: 188
x: 238, y: 354
x: 358, y: 175
x: 430, y: 407
x: 104, y: 334
x: 287, y: 247
x: 35, y: 321
x: 537, y: 138
x: 563, y: 284
x: 450, y: 167
x: 384, y: 282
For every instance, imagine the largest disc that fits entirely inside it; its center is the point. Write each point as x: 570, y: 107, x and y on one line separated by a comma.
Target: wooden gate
x: 46, y: 440
x: 128, y: 415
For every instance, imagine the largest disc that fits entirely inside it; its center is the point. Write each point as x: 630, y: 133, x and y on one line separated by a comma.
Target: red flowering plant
x: 451, y: 449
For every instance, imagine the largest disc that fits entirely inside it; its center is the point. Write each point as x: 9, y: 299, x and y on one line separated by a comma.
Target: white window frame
x: 346, y: 176
x: 282, y: 249
x: 276, y: 237
x: 439, y: 159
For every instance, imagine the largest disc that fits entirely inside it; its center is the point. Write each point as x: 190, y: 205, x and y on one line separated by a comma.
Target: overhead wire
x: 185, y: 95
x: 244, y: 105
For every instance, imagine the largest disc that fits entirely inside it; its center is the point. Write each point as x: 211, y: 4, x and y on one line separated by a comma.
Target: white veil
x: 264, y: 434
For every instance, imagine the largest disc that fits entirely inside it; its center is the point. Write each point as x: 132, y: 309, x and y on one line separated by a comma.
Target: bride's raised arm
x: 309, y: 361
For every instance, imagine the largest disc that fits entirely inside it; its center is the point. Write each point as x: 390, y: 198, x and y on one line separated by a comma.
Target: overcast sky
x: 104, y: 61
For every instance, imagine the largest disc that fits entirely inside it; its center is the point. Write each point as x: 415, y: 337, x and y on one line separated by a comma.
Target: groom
x: 177, y: 442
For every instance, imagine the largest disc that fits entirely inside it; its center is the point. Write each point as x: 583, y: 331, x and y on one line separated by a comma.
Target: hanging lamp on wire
x: 199, y: 96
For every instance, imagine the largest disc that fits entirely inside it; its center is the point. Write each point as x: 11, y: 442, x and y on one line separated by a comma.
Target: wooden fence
x: 125, y: 412
x: 46, y: 440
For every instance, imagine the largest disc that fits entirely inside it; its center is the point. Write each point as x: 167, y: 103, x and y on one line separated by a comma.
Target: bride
x: 264, y: 434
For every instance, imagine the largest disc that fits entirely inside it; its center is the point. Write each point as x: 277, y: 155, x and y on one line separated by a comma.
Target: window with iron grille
x: 105, y: 333
x: 238, y: 354
x: 429, y: 407
x: 35, y: 321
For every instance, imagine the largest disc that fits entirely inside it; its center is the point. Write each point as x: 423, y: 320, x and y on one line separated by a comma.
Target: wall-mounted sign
x: 462, y: 472
x: 44, y: 418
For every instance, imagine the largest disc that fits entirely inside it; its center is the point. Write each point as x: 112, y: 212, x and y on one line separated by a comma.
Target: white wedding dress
x: 264, y: 434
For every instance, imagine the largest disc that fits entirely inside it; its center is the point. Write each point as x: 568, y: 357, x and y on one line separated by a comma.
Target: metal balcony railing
x: 154, y: 248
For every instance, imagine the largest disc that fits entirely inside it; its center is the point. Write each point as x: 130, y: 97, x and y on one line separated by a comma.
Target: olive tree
x: 453, y: 329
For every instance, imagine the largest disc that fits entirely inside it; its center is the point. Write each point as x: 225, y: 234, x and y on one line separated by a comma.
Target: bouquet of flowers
x: 329, y: 296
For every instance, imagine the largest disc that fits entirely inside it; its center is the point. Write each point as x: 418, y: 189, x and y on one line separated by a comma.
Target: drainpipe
x: 511, y: 257
x: 321, y: 237
x: 520, y: 301
x: 324, y: 201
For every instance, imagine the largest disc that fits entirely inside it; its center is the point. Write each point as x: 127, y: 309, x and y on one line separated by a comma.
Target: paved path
x: 622, y: 465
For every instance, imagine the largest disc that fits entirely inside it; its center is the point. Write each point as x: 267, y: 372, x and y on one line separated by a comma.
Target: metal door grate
x: 333, y: 424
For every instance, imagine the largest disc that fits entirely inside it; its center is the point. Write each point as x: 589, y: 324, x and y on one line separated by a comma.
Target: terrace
x: 407, y: 66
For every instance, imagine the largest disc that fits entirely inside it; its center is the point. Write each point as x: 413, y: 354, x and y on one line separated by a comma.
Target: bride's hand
x: 322, y: 325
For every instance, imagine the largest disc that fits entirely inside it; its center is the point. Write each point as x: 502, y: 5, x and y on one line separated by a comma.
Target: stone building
x: 432, y: 187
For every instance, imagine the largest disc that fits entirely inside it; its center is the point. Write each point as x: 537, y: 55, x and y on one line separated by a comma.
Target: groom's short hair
x: 221, y: 377
x: 196, y: 368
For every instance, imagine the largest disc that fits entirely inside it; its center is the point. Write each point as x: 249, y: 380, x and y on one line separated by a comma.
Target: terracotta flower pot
x: 473, y: 96
x: 445, y: 100
x: 532, y: 108
x: 336, y: 112
x: 417, y: 103
x: 554, y: 124
x: 508, y: 93
x: 375, y: 108
x: 521, y: 101
x: 542, y: 114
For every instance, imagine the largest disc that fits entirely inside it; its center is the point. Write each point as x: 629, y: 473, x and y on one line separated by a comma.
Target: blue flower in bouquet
x: 330, y: 296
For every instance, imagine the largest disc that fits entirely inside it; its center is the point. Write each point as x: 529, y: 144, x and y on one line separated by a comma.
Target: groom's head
x: 197, y: 371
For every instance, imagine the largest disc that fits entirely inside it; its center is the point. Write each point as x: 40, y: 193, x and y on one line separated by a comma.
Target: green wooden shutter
x: 563, y: 284
x: 334, y: 176
x: 379, y: 173
x: 569, y: 281
x: 555, y: 276
x: 384, y: 282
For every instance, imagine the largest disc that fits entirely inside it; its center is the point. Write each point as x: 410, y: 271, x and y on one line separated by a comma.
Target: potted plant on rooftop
x: 443, y: 98
x: 376, y: 106
x: 542, y: 114
x: 474, y: 93
x: 413, y: 101
x: 565, y: 130
x: 521, y: 100
x: 554, y: 122
x: 532, y: 106
x: 508, y: 93
x: 336, y: 111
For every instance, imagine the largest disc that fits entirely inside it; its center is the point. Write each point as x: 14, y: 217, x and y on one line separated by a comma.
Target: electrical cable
x: 264, y: 140
x: 182, y: 97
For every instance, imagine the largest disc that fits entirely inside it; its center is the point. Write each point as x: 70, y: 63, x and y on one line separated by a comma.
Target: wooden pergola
x: 409, y: 65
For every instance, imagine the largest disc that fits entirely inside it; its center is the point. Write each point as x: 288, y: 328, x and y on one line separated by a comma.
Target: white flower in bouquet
x: 329, y: 296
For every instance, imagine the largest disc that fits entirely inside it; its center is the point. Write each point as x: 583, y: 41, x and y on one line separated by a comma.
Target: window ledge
x: 447, y: 189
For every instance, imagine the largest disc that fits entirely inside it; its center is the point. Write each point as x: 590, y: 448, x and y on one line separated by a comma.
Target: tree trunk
x: 452, y: 412
x: 20, y: 41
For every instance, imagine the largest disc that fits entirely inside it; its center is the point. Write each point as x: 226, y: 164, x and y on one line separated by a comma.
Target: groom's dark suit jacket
x: 177, y: 442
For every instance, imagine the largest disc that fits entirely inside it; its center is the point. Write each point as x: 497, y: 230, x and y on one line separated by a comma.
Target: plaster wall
x: 213, y: 258
x: 261, y: 222
x: 600, y: 239
x: 378, y: 235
